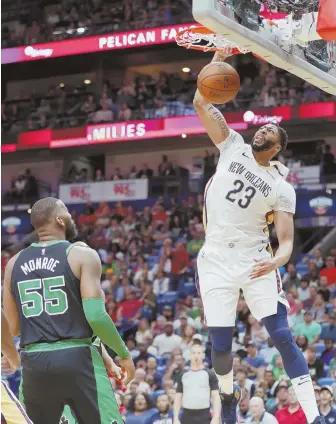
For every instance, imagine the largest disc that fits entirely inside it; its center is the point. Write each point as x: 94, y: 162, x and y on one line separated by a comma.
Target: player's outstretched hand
x: 127, y: 365
x: 262, y: 267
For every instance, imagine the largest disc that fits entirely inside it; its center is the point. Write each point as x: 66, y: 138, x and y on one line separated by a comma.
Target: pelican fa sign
x: 321, y: 204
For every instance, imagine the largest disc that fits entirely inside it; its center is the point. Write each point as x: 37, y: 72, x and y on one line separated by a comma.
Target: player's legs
x: 266, y: 300
x: 294, y: 362
x: 41, y: 389
x: 92, y: 399
x: 12, y: 411
x: 220, y: 293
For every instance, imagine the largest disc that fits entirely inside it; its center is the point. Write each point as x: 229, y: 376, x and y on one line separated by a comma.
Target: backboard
x: 281, y: 32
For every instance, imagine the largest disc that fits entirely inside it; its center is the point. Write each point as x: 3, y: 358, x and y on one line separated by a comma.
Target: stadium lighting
x: 186, y: 70
x: 87, y: 81
x: 62, y: 84
x: 80, y: 30
x: 184, y: 135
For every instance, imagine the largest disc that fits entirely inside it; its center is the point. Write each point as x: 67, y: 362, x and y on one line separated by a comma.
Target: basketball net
x: 202, y: 38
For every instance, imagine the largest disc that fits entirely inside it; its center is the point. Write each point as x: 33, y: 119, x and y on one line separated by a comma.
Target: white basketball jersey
x: 240, y: 198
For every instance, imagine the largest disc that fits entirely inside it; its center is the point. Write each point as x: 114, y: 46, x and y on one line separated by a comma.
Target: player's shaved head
x: 43, y: 211
x: 51, y: 217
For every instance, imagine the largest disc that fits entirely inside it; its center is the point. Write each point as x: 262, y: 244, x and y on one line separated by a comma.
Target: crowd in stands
x: 41, y: 22
x: 149, y: 260
x: 146, y: 97
x: 23, y: 188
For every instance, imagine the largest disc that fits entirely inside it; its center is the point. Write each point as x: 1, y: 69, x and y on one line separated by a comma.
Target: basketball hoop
x: 203, y: 39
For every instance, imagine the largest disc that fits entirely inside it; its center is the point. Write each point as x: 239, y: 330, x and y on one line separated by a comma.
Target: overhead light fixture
x: 184, y: 135
x: 62, y: 85
x: 87, y: 81
x: 80, y: 30
x: 186, y: 70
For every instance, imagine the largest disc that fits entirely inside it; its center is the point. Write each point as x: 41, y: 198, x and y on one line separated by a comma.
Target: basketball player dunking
x: 54, y: 301
x: 246, y: 193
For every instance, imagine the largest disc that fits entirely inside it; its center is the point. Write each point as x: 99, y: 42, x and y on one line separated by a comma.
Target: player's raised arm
x: 212, y: 119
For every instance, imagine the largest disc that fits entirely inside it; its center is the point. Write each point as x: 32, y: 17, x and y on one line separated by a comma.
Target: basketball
x: 218, y: 82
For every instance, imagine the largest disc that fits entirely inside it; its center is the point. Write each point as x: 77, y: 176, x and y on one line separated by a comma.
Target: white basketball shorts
x: 223, y: 269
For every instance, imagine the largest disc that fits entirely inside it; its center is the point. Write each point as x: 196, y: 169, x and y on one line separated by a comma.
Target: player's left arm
x: 284, y: 210
x: 8, y: 348
x: 10, y: 307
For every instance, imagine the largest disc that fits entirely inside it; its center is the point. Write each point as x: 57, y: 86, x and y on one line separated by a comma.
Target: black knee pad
x: 221, y: 361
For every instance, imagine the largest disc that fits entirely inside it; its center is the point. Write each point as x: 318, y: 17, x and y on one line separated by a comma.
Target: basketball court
x: 298, y: 36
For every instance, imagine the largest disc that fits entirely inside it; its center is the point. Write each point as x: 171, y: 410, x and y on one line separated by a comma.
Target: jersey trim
x: 205, y: 214
x: 48, y: 243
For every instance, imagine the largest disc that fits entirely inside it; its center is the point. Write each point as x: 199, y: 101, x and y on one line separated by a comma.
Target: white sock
x: 304, y: 391
x: 226, y: 383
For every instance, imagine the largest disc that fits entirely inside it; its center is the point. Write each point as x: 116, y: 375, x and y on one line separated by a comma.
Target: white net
x: 206, y: 42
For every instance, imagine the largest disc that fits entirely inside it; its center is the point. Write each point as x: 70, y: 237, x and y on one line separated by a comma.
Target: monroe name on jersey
x: 36, y: 264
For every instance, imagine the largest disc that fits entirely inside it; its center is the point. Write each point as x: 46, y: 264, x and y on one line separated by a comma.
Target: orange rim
x: 199, y: 30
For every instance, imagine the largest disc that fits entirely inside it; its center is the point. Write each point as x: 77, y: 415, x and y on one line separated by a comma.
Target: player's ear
x: 60, y: 221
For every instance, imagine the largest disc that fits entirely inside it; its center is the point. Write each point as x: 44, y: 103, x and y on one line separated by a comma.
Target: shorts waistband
x: 196, y: 411
x: 245, y: 245
x: 60, y: 344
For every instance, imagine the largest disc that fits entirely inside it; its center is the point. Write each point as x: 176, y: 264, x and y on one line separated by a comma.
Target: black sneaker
x: 229, y: 405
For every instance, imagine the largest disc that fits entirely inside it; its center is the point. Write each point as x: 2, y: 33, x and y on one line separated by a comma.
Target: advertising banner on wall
x: 97, y: 43
x: 111, y: 191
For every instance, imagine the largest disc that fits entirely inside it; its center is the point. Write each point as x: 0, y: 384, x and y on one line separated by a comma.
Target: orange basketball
x: 218, y: 82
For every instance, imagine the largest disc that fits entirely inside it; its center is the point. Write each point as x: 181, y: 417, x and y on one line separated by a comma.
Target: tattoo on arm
x: 216, y: 116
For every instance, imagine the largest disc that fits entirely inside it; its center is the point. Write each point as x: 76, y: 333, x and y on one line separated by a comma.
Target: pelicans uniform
x: 12, y: 411
x: 239, y: 202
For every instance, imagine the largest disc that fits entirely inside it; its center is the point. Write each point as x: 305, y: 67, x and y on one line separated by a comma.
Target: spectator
x: 125, y: 113
x: 315, y: 365
x: 104, y: 114
x: 258, y: 413
x: 32, y: 185
x: 245, y: 383
x: 151, y: 370
x: 313, y: 273
x: 161, y: 110
x: 324, y: 289
x: 278, y: 368
x: 140, y: 409
x: 317, y: 258
x: 309, y: 328
x: 165, y: 343
x: 302, y: 342
x: 243, y: 414
x: 143, y: 332
x: 143, y: 353
x: 325, y: 406
x: 89, y: 106
x: 291, y: 413
x: 319, y: 309
x: 291, y: 277
x: 329, y: 271
x: 256, y: 331
x: 256, y: 363
x: 161, y: 283
x: 165, y: 414
x: 308, y: 304
x: 175, y: 368
x: 180, y: 263
x: 139, y: 377
x: 329, y: 353
x: 303, y: 290
x: 296, y: 319
x: 329, y: 328
x: 281, y: 398
x: 99, y: 176
x: 145, y: 172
